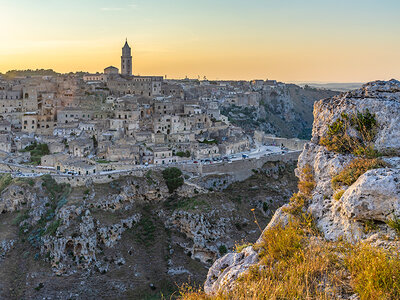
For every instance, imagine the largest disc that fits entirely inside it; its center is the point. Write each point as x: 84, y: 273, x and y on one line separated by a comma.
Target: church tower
x: 126, y: 60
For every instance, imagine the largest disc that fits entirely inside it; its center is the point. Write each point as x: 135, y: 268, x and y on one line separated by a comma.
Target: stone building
x: 162, y: 156
x: 126, y: 60
x: 111, y: 70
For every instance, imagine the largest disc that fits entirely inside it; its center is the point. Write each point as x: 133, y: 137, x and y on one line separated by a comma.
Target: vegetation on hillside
x: 48, y: 223
x: 22, y: 73
x: 338, y: 138
x: 183, y: 154
x: 295, y: 263
x: 354, y: 170
x: 37, y: 151
x: 173, y: 178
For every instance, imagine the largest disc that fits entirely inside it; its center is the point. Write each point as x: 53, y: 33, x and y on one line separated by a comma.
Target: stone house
x: 81, y: 147
x: 78, y: 167
x: 163, y: 155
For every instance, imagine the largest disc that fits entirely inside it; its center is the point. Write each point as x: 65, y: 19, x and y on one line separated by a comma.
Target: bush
x: 37, y: 151
x: 395, y: 224
x: 173, y: 178
x: 339, y: 140
x: 306, y: 185
x: 183, y: 154
x: 354, y: 170
x: 222, y: 250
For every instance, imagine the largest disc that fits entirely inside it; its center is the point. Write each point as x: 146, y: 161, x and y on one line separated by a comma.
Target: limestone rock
x: 374, y: 196
x: 226, y: 270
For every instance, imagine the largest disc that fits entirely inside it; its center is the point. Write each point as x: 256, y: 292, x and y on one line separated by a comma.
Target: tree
x: 173, y: 178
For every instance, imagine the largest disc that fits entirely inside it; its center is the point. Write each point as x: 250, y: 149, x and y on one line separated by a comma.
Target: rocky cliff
x: 284, y: 110
x: 128, y: 239
x: 347, y: 207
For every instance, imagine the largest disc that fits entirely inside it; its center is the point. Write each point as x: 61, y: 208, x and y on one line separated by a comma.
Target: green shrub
x: 52, y: 229
x: 173, y: 178
x: 338, y: 139
x: 37, y: 151
x: 395, y: 224
x: 183, y: 154
x: 222, y: 250
x: 265, y: 206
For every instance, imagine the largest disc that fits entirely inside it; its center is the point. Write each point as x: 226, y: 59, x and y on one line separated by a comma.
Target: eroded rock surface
x: 373, y: 198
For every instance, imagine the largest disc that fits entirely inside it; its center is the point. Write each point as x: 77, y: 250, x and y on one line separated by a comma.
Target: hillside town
x: 83, y: 124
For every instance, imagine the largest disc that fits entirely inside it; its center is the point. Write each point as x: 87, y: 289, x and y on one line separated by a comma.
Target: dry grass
x: 338, y: 195
x: 354, y: 170
x: 375, y: 273
x: 294, y: 265
x: 306, y: 185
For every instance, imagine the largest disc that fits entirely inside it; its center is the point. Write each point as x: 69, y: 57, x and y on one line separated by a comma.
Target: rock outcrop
x: 374, y: 197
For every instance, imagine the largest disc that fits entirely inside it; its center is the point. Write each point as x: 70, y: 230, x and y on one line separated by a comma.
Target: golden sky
x: 287, y: 40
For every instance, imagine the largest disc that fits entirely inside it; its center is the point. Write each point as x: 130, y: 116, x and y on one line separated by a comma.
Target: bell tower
x: 126, y: 60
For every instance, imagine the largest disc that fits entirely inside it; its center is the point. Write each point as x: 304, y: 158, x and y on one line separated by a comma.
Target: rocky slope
x: 352, y: 195
x: 285, y: 110
x: 129, y: 239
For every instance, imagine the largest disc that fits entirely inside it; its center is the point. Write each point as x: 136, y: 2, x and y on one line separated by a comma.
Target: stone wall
x: 267, y: 139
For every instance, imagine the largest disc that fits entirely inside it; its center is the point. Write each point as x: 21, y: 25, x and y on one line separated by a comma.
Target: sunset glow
x: 289, y: 40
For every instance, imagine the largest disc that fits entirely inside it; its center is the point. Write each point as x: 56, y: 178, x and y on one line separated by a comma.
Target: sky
x: 286, y: 40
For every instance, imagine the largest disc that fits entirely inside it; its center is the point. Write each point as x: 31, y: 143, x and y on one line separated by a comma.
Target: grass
x: 394, y: 223
x: 375, y: 273
x: 291, y: 267
x: 338, y: 195
x: 103, y: 161
x: 240, y: 247
x: 306, y: 185
x: 338, y: 139
x: 145, y: 229
x: 5, y: 181
x: 186, y: 203
x: 23, y: 215
x: 354, y: 170
x: 52, y: 228
x: 295, y: 265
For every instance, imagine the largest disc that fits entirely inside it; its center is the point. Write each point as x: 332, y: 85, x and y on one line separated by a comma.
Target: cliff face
x: 129, y: 238
x: 285, y: 110
x: 355, y: 188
